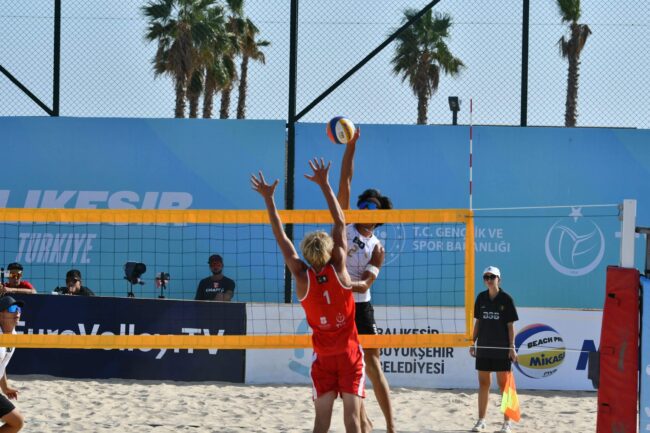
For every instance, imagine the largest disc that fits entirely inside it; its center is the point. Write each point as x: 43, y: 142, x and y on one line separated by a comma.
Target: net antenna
x: 471, y: 124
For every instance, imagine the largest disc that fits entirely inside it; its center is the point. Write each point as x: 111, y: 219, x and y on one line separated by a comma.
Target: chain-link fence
x: 107, y: 65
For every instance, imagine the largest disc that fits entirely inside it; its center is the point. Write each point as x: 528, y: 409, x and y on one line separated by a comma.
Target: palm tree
x: 194, y: 90
x: 235, y: 26
x: 219, y: 73
x: 181, y: 28
x: 250, y: 50
x: 571, y: 48
x: 421, y: 54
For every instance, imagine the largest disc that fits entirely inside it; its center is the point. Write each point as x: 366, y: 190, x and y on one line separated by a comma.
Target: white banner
x: 552, y: 345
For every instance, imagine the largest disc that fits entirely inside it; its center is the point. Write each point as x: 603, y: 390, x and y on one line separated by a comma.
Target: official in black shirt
x: 73, y: 285
x: 218, y: 287
x: 494, y: 339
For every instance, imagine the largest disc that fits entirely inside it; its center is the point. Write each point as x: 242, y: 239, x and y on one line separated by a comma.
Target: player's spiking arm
x: 345, y: 187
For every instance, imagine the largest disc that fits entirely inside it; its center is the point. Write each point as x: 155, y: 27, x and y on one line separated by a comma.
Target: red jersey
x: 24, y: 284
x: 329, y: 307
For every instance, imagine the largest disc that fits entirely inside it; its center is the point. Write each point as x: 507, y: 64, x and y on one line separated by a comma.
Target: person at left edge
x: 15, y: 282
x: 10, y: 310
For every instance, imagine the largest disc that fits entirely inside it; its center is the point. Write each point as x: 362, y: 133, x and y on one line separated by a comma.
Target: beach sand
x: 80, y: 405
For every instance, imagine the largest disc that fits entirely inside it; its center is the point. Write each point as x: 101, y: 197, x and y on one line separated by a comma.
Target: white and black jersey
x: 360, y: 250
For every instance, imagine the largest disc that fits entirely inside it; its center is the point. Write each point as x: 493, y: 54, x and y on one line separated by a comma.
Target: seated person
x: 73, y: 285
x: 218, y: 287
x: 15, y: 283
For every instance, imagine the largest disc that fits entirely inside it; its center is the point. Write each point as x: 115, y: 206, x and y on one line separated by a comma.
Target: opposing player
x: 365, y: 259
x: 323, y: 289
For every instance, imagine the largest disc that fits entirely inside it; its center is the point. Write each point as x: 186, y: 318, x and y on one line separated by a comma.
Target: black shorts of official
x: 365, y: 319
x: 493, y: 364
x: 5, y: 406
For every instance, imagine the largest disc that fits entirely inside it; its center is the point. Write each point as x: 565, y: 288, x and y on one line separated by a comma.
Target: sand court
x: 82, y: 405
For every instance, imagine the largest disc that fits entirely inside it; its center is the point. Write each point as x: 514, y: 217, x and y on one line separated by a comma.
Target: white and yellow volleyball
x: 340, y: 130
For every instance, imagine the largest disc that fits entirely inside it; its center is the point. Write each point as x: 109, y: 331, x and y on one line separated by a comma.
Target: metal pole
x: 366, y: 59
x: 524, y: 63
x: 291, y: 134
x: 56, y: 83
x: 628, y: 226
x: 646, y: 231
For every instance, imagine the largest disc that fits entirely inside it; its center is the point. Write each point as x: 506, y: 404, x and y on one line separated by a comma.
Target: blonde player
x: 323, y: 289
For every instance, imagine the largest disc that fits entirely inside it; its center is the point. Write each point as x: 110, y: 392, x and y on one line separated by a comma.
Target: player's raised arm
x: 347, y: 170
x: 321, y: 178
x: 295, y: 265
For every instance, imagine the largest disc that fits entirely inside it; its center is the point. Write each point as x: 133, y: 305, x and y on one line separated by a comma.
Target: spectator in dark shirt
x: 15, y: 283
x: 73, y: 285
x: 218, y: 287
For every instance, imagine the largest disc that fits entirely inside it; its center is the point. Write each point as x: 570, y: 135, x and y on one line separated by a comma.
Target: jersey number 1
x: 327, y: 297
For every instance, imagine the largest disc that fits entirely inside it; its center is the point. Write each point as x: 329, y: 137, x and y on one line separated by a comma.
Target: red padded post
x: 619, y: 353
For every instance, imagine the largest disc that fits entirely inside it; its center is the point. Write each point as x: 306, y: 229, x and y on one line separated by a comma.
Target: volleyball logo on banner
x: 540, y: 349
x: 393, y: 238
x: 574, y: 245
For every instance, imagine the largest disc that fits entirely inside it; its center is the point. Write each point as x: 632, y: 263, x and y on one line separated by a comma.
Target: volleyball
x: 541, y: 351
x: 340, y: 130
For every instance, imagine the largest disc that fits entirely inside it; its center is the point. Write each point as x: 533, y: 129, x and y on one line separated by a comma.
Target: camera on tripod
x: 132, y: 273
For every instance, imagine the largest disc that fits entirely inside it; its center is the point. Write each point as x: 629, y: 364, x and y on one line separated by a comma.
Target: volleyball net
x: 423, y: 296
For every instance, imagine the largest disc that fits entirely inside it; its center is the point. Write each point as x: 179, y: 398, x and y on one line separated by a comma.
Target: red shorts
x: 342, y: 373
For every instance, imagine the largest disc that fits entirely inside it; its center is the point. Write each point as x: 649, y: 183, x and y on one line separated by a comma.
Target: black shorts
x: 5, y: 405
x: 493, y: 364
x: 365, y: 319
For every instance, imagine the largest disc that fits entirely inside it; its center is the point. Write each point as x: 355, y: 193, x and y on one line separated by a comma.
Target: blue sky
x: 106, y: 68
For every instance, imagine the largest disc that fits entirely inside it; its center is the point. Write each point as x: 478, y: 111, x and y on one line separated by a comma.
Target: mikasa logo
x: 575, y: 246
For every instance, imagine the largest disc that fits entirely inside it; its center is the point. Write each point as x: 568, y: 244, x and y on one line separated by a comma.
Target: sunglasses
x: 489, y: 277
x: 371, y: 205
x: 14, y: 309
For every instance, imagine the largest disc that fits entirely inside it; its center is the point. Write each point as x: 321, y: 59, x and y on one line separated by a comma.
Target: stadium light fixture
x: 454, y: 106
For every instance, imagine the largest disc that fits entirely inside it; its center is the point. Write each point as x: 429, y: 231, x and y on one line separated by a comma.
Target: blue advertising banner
x: 80, y: 315
x: 644, y: 386
x: 554, y: 253
x: 136, y: 164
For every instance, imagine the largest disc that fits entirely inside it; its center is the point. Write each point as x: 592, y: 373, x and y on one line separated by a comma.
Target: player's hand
x: 512, y: 354
x: 356, y: 136
x: 3, y: 289
x: 321, y: 171
x: 260, y: 185
x: 472, y: 351
x: 11, y: 393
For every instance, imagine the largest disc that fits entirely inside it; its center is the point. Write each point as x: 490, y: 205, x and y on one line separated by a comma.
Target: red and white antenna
x: 471, y: 111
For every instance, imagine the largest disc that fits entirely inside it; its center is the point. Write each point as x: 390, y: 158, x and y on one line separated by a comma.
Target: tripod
x: 129, y: 291
x: 129, y: 284
x: 163, y: 287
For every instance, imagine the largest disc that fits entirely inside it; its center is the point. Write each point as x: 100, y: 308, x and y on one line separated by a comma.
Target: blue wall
x: 549, y: 257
